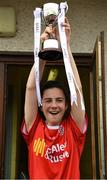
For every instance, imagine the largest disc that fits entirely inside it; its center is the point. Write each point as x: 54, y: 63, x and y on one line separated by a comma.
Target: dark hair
x: 65, y: 89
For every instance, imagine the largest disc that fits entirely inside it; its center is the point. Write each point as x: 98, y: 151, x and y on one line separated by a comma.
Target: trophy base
x: 51, y: 54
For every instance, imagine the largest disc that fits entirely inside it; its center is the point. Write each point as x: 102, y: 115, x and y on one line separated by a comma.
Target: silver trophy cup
x: 50, y: 49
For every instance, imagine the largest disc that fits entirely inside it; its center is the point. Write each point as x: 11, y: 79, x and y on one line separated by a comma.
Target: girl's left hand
x: 67, y: 30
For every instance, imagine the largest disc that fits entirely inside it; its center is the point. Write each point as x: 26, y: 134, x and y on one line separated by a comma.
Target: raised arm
x: 31, y: 105
x: 76, y: 110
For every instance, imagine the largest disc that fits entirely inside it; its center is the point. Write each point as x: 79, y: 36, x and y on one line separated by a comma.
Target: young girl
x: 55, y: 134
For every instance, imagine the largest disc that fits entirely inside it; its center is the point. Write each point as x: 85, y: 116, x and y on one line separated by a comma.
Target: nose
x: 54, y: 104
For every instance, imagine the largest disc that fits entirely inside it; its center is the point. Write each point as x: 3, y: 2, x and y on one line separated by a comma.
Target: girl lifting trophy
x: 55, y: 131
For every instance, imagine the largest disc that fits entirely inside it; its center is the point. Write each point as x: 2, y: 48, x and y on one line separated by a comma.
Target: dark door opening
x: 16, y: 154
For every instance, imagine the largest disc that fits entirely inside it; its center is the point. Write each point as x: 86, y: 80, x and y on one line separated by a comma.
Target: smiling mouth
x: 54, y: 113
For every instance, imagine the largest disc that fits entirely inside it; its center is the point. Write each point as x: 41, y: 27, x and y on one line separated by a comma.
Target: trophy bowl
x: 51, y: 49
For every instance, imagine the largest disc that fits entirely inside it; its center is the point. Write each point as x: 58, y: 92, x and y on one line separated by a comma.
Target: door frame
x: 2, y: 110
x: 97, y: 76
x: 81, y: 59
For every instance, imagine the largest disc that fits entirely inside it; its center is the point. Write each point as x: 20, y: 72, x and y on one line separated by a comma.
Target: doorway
x: 16, y: 155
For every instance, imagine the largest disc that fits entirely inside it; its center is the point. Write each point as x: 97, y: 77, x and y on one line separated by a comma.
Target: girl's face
x: 53, y: 105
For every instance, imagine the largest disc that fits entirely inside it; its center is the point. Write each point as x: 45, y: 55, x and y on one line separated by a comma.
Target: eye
x: 47, y: 100
x: 60, y: 100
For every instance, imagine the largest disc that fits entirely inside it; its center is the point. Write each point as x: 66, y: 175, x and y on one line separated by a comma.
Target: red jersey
x: 54, y: 153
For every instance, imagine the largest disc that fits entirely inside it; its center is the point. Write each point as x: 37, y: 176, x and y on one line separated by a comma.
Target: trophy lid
x: 50, y: 8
